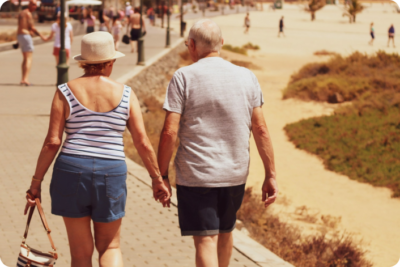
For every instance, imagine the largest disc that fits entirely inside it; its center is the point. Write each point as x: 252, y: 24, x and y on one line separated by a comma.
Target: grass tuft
x: 235, y: 49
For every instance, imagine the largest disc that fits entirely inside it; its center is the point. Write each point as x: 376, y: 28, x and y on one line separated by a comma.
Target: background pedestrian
x: 69, y: 36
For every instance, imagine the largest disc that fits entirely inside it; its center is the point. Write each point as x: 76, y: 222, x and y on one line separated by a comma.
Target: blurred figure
x: 69, y: 35
x: 25, y: 28
x: 104, y: 21
x: 116, y: 30
x: 128, y: 9
x: 247, y: 23
x: 90, y: 21
x: 134, y: 25
x: 151, y: 15
x: 391, y: 35
x: 372, y: 32
x: 281, y: 27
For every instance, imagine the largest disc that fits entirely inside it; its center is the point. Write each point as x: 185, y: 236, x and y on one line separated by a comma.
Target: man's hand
x: 160, y: 191
x: 270, y: 189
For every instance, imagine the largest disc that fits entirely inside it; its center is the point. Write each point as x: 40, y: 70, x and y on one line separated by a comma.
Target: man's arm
x: 31, y: 27
x: 264, y: 146
x: 168, y: 138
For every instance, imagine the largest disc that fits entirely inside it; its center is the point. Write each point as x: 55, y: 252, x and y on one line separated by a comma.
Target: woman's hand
x: 33, y: 193
x: 160, y: 191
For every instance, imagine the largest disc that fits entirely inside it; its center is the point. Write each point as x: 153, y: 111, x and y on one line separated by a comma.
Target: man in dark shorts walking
x: 134, y: 26
x: 281, y: 26
x: 213, y: 106
x: 391, y: 35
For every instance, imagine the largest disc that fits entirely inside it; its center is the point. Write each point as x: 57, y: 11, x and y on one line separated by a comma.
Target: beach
x: 367, y: 212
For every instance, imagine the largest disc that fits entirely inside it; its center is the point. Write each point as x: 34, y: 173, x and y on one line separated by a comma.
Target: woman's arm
x: 71, y: 35
x: 48, y: 38
x: 51, y: 144
x: 142, y: 143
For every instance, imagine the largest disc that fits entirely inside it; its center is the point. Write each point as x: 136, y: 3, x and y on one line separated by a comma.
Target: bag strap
x: 44, y: 222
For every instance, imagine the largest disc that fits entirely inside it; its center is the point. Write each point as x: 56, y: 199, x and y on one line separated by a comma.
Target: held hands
x: 162, y: 191
x: 269, y: 191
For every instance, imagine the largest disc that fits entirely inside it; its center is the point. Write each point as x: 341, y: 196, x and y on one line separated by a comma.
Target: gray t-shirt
x: 215, y: 99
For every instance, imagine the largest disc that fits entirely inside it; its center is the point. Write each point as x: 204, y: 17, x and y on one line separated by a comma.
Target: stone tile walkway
x: 150, y: 234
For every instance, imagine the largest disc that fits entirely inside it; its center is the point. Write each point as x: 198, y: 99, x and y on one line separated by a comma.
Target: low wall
x: 152, y: 81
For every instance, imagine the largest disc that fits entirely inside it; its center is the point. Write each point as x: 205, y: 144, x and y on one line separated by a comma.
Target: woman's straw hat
x: 97, y: 47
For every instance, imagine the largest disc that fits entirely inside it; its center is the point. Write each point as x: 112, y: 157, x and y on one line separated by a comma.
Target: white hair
x: 207, y: 36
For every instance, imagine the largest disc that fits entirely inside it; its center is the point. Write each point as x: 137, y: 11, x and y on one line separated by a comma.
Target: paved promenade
x: 150, y: 234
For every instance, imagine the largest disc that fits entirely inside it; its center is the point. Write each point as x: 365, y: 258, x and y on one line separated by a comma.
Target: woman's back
x: 99, y: 110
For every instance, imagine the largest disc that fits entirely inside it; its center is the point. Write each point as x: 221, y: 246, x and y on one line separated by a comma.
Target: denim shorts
x: 88, y: 186
x: 204, y: 211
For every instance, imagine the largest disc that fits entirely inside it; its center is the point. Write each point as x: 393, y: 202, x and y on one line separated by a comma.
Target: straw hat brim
x: 82, y: 60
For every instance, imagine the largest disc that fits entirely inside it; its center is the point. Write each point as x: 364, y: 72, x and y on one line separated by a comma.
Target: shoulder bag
x: 30, y: 257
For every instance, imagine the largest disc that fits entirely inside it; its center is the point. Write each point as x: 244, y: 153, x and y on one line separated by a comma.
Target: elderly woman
x: 89, y: 175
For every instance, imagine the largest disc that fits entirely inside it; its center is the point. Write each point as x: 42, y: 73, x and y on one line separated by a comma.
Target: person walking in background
x: 281, y: 27
x: 212, y: 107
x: 89, y: 175
x: 151, y: 15
x: 391, y: 35
x: 247, y: 23
x: 372, y: 33
x: 128, y: 9
x: 103, y: 19
x: 69, y: 36
x: 116, y: 30
x: 90, y: 20
x: 24, y: 38
x: 134, y: 26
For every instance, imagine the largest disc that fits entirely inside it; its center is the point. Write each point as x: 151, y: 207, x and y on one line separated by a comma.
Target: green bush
x: 362, y: 142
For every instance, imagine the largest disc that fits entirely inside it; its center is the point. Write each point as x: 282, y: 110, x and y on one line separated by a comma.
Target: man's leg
x: 225, y: 246
x: 206, y: 251
x: 26, y: 66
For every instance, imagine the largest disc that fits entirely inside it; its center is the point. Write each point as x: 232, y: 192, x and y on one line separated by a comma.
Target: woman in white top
x: 69, y: 36
x: 115, y: 31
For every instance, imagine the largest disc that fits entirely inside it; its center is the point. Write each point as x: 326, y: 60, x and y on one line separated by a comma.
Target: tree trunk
x: 312, y: 16
x: 354, y: 18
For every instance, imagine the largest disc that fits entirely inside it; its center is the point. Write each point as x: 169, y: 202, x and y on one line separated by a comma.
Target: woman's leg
x: 57, y: 58
x: 80, y: 241
x: 107, y: 240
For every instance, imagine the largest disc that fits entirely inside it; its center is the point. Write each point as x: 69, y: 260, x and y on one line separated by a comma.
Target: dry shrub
x: 340, y: 250
x: 246, y: 64
x: 251, y: 46
x: 345, y: 79
x: 235, y: 49
x: 325, y: 53
x: 8, y: 36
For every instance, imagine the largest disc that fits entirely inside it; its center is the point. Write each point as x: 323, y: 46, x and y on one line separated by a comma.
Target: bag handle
x: 44, y: 222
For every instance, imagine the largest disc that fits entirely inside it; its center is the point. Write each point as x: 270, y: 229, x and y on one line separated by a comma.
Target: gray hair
x: 207, y: 36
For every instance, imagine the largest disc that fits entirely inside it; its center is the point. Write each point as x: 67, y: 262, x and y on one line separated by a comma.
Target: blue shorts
x: 204, y: 211
x: 88, y: 186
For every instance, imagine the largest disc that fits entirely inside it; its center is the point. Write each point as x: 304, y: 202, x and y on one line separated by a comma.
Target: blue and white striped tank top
x: 96, y: 134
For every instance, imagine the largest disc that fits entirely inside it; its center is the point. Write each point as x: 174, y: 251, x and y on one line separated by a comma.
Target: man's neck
x: 212, y: 54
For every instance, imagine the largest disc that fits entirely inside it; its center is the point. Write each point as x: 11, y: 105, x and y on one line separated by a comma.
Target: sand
x: 366, y: 211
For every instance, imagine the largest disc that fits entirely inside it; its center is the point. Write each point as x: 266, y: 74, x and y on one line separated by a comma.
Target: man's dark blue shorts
x: 206, y: 211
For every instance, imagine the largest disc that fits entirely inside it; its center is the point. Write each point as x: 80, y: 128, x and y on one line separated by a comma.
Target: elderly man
x: 212, y: 106
x: 25, y: 28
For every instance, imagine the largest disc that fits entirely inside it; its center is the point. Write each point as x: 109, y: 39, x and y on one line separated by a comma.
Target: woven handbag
x: 30, y: 257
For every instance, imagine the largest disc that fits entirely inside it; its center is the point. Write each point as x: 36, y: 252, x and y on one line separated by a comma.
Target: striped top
x: 96, y: 134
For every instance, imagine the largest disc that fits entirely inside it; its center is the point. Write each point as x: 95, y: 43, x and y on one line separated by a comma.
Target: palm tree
x: 313, y: 6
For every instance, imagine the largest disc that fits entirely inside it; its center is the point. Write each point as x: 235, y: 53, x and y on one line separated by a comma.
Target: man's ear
x: 222, y: 41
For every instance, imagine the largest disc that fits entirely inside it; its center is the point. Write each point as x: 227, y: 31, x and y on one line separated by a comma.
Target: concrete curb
x: 242, y: 243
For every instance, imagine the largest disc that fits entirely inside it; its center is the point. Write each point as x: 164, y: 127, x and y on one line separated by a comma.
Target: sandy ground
x: 366, y: 211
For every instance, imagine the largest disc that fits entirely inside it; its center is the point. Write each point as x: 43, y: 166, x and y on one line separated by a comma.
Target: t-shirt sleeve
x: 54, y: 27
x: 175, y: 96
x: 69, y: 26
x: 258, y: 99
